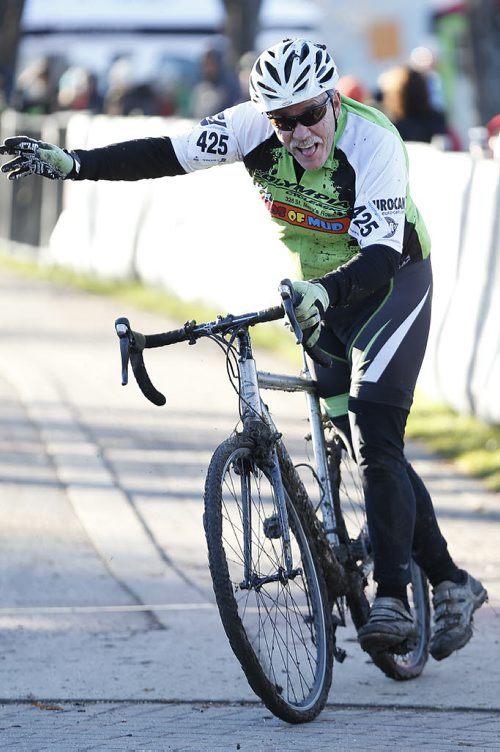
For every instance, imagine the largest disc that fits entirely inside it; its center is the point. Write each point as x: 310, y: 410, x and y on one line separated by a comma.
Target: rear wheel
x: 353, y: 533
x: 277, y: 622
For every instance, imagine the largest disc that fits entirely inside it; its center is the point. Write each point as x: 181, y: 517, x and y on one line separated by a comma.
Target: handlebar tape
x: 319, y: 356
x: 135, y: 344
x: 142, y: 377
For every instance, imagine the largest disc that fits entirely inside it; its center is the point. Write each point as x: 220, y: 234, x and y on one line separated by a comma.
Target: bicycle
x: 285, y: 573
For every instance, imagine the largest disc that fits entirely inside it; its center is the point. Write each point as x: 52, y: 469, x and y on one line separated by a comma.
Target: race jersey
x: 351, y: 223
x: 359, y: 198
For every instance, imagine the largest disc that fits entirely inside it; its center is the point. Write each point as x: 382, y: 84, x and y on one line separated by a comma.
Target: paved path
x: 124, y: 727
x: 109, y: 636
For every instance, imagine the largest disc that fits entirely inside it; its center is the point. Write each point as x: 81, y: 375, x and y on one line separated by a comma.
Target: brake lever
x: 122, y: 326
x: 132, y: 345
x: 287, y: 296
x: 291, y: 299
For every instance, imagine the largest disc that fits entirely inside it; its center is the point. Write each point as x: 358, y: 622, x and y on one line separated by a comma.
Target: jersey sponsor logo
x: 393, y: 226
x: 304, y: 218
x: 218, y: 119
x: 390, y: 204
x: 320, y: 200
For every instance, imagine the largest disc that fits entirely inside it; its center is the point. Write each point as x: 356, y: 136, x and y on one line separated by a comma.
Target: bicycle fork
x: 259, y: 426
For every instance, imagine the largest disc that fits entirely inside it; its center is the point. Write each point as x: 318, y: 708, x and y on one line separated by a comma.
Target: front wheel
x: 277, y: 621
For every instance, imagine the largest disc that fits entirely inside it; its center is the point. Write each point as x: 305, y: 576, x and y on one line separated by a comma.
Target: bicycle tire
x: 280, y: 631
x: 353, y: 532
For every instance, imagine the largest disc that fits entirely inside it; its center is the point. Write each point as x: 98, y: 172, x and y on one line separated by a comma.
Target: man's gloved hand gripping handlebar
x: 305, y: 304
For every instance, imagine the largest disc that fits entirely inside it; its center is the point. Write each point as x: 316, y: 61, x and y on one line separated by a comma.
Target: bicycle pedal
x: 337, y: 621
x: 339, y: 655
x: 403, y: 648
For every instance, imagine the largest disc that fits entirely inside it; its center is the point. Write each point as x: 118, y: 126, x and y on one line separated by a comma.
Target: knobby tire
x: 280, y: 631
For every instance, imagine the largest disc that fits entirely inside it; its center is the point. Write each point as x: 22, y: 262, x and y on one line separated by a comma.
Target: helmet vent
x: 273, y: 72
x: 325, y: 76
x: 289, y: 65
x: 304, y: 52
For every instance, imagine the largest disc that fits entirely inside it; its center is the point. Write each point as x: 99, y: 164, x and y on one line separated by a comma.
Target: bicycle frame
x: 253, y: 411
x: 251, y: 381
x: 305, y: 383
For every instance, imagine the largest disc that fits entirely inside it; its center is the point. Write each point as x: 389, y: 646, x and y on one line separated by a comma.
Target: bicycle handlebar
x: 132, y: 344
x: 290, y: 300
x: 288, y: 297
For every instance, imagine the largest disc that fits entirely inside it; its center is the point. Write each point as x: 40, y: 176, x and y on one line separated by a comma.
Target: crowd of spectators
x: 410, y: 94
x: 46, y: 85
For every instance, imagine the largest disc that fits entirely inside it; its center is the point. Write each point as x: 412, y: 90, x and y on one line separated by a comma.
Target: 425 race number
x: 213, y: 142
x: 364, y: 220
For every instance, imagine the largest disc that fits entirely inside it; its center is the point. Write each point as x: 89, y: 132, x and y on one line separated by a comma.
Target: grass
x: 471, y: 443
x: 151, y: 299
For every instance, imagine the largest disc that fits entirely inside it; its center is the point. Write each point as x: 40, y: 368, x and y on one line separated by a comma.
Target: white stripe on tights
x: 386, y: 353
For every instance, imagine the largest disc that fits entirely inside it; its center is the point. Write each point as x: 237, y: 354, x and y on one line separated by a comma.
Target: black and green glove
x: 310, y: 302
x: 36, y: 158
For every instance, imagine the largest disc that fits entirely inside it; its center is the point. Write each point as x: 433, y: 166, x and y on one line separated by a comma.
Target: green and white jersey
x: 359, y: 198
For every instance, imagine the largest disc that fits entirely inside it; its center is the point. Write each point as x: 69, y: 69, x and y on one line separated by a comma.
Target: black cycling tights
x: 400, y: 515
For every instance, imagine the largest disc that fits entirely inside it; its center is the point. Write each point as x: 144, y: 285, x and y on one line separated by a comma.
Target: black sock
x: 459, y: 577
x: 399, y: 592
x: 451, y: 573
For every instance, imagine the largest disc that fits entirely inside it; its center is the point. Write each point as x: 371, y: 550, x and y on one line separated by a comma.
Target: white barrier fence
x: 203, y: 236
x: 459, y: 198
x: 207, y: 236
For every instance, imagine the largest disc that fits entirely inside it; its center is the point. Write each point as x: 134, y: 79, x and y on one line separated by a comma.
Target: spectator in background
x: 405, y: 100
x: 78, y: 91
x: 218, y: 87
x: 137, y: 99
x: 493, y: 130
x: 173, y: 89
x: 245, y: 65
x: 33, y: 91
x: 425, y: 61
x: 484, y: 140
x: 352, y: 87
x: 126, y: 95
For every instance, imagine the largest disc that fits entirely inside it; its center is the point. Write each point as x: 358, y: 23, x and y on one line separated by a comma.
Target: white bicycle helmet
x: 290, y: 72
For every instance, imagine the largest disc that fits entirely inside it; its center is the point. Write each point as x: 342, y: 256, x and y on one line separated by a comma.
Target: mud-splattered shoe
x: 390, y: 627
x: 454, y: 606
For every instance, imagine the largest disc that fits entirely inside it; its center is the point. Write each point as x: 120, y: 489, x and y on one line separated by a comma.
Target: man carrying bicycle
x: 334, y: 174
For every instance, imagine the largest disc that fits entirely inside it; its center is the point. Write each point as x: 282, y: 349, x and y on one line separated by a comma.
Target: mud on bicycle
x: 289, y: 568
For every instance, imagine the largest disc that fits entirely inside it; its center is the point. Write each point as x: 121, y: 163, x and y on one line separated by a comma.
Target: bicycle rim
x: 278, y: 628
x: 353, y: 514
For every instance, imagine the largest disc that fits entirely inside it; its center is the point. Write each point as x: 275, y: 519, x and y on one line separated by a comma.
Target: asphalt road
x: 108, y: 632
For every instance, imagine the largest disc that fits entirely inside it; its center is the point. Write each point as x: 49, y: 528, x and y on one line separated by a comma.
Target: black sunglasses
x: 309, y: 117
